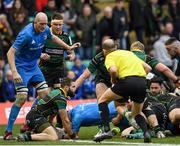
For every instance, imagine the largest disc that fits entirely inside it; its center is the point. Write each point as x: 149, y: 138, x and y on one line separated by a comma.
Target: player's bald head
x: 40, y: 17
x: 40, y: 22
x: 109, y: 44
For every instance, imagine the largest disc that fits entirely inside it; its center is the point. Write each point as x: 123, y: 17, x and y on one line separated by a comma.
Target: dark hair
x: 156, y: 80
x: 65, y: 82
x: 57, y: 16
x: 170, y: 41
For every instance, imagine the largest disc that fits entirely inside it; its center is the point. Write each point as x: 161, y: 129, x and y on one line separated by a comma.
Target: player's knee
x: 102, y: 99
x: 21, y: 96
x: 175, y: 119
x: 42, y: 89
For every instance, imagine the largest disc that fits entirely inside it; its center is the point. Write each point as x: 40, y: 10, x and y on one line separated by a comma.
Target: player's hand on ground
x: 75, y: 45
x: 45, y: 56
x: 17, y: 77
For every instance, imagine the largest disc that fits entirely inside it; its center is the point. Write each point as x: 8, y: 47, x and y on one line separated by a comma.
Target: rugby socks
x: 12, y: 117
x: 104, y: 113
x: 140, y: 120
x: 156, y: 129
x: 27, y: 136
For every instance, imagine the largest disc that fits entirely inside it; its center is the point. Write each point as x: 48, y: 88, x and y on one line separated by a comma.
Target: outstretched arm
x: 66, y: 123
x: 168, y: 73
x: 82, y: 77
x: 146, y: 67
x: 63, y: 44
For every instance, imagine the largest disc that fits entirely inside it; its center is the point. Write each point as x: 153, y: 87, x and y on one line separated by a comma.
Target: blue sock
x: 12, y: 117
x: 34, y: 103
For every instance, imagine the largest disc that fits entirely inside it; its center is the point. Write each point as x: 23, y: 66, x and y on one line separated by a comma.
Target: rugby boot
x: 8, y: 136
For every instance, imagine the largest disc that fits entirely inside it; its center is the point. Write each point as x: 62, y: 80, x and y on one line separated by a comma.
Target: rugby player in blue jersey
x: 87, y: 114
x: 23, y: 59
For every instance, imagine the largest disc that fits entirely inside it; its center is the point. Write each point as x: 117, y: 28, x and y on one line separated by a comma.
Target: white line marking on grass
x: 103, y: 143
x: 120, y: 143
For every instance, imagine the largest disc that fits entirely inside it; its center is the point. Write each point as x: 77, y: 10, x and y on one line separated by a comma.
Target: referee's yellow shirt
x: 127, y: 63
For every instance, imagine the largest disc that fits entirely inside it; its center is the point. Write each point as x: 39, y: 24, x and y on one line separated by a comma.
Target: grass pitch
x: 86, y: 136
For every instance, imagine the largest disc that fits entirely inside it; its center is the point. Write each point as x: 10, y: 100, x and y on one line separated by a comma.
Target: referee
x: 128, y: 78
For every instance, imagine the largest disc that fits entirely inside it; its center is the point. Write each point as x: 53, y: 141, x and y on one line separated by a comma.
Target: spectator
x: 174, y: 11
x: 50, y: 8
x: 20, y: 22
x: 120, y: 24
x: 30, y: 5
x: 85, y: 26
x: 5, y: 34
x: 160, y: 52
x: 103, y: 27
x: 69, y: 14
x: 153, y: 17
x: 40, y: 4
x: 89, y: 88
x: 71, y: 75
x: 79, y: 6
x: 137, y: 18
x: 18, y: 17
x: 9, y: 91
x: 1, y: 6
x: 78, y: 69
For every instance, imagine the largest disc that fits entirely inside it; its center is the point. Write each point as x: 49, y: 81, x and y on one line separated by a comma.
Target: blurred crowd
x: 152, y: 22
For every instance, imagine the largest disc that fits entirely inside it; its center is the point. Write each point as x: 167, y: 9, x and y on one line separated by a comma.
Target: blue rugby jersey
x: 88, y: 115
x: 28, y: 45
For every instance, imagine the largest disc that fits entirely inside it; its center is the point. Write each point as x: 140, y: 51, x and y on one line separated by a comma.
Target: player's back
x: 128, y: 64
x: 88, y: 113
x: 50, y: 104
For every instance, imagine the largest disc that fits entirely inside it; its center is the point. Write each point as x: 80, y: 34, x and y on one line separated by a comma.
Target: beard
x: 175, y: 56
x: 70, y: 93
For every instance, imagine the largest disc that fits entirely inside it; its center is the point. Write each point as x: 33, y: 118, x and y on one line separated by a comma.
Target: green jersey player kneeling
x: 52, y: 104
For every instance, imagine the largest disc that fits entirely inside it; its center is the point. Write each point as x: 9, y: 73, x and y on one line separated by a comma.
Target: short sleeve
x: 152, y: 61
x: 20, y: 41
x: 61, y: 105
x: 109, y: 61
x: 93, y: 65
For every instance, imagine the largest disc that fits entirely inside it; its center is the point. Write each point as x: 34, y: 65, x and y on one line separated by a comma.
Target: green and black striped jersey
x: 50, y: 104
x: 97, y: 66
x: 55, y: 51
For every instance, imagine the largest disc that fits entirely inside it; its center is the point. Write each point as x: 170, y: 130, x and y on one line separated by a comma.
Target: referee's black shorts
x: 133, y: 87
